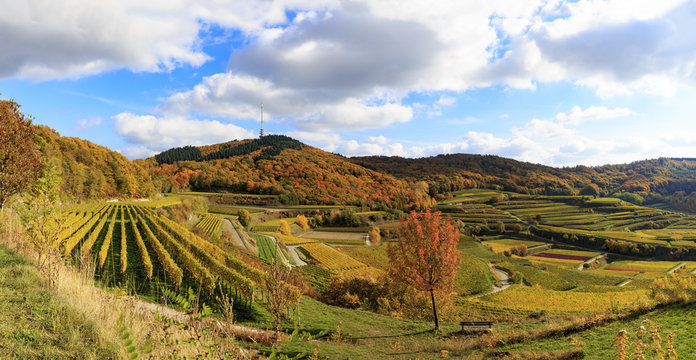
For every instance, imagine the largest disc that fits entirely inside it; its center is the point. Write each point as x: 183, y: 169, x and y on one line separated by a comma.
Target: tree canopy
x: 20, y: 163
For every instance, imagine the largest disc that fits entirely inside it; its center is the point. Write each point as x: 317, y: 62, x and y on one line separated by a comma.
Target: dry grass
x: 156, y: 331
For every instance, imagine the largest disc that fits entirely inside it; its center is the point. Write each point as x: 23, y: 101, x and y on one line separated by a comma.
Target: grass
x: 366, y: 335
x: 679, y: 319
x: 35, y: 324
x: 473, y: 277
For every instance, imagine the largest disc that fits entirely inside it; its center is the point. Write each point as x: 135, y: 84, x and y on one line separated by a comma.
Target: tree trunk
x: 437, y: 321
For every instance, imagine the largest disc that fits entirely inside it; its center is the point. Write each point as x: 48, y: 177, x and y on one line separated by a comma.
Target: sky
x: 560, y: 83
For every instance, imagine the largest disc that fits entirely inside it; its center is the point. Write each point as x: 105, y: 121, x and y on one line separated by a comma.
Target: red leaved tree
x: 19, y: 159
x: 425, y: 254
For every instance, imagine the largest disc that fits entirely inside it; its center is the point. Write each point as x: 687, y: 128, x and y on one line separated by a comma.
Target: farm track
x: 227, y: 225
x: 293, y: 252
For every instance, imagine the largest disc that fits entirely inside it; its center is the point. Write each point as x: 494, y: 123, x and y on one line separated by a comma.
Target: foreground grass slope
x: 597, y: 343
x: 35, y: 324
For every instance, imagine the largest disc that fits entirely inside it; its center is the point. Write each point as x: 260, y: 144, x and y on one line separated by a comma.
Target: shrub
x: 244, y: 217
x: 285, y: 228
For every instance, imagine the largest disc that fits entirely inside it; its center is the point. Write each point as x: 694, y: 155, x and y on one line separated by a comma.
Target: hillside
x: 277, y: 165
x: 651, y: 180
x: 91, y: 171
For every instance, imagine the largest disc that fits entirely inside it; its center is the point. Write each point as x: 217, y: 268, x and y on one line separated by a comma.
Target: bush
x: 244, y: 217
x: 520, y: 250
x: 285, y: 228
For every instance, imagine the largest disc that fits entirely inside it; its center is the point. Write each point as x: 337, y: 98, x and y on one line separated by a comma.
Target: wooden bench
x: 470, y: 327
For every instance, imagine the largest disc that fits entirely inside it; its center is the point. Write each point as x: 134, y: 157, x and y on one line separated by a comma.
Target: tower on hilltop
x: 261, y: 132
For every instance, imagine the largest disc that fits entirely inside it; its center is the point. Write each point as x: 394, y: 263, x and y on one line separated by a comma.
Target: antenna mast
x: 261, y: 132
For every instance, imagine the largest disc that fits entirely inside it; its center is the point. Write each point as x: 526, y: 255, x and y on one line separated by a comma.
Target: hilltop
x: 278, y: 165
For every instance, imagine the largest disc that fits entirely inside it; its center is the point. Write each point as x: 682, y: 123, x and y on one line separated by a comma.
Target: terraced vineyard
x: 502, y: 245
x: 479, y: 214
x: 471, y: 196
x: 595, y: 216
x: 336, y: 261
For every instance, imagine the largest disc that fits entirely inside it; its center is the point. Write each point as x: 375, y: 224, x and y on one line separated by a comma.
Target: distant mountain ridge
x: 646, y: 181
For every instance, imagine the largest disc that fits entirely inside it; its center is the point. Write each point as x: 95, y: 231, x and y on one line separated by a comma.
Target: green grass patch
x: 598, y: 342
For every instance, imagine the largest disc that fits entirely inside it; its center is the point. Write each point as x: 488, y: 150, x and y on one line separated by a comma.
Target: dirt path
x: 293, y: 252
x: 235, y: 236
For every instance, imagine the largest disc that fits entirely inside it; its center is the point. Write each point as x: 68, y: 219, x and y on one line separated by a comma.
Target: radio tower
x: 261, y: 132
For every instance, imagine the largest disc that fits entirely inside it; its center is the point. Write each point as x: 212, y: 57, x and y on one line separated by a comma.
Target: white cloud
x: 237, y: 96
x: 349, y: 65
x: 378, y: 139
x: 138, y: 152
x: 84, y: 124
x: 75, y: 38
x: 344, y: 49
x: 577, y: 115
x: 157, y: 134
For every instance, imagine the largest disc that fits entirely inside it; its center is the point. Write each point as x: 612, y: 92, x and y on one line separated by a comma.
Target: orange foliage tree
x: 19, y: 158
x: 425, y: 254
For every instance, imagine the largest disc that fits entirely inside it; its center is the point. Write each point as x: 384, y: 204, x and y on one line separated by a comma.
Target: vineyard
x: 132, y: 242
x: 267, y: 247
x: 557, y: 264
x: 211, y: 225
x: 502, y: 245
x: 563, y: 302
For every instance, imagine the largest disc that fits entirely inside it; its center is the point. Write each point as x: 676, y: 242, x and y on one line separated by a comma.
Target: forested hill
x: 90, y: 171
x: 279, y: 165
x: 643, y: 181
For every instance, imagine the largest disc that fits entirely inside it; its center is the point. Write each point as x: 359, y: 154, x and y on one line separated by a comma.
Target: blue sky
x: 553, y: 82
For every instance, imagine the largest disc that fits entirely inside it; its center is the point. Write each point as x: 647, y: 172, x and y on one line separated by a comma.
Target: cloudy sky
x: 554, y: 82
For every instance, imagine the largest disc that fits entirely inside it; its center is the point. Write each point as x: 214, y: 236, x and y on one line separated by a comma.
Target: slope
x: 91, y: 171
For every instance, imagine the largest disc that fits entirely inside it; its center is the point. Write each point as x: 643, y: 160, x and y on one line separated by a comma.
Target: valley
x: 273, y: 249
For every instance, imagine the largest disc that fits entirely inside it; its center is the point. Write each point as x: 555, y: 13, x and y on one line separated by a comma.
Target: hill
x: 278, y: 165
x: 91, y: 171
x: 647, y: 181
